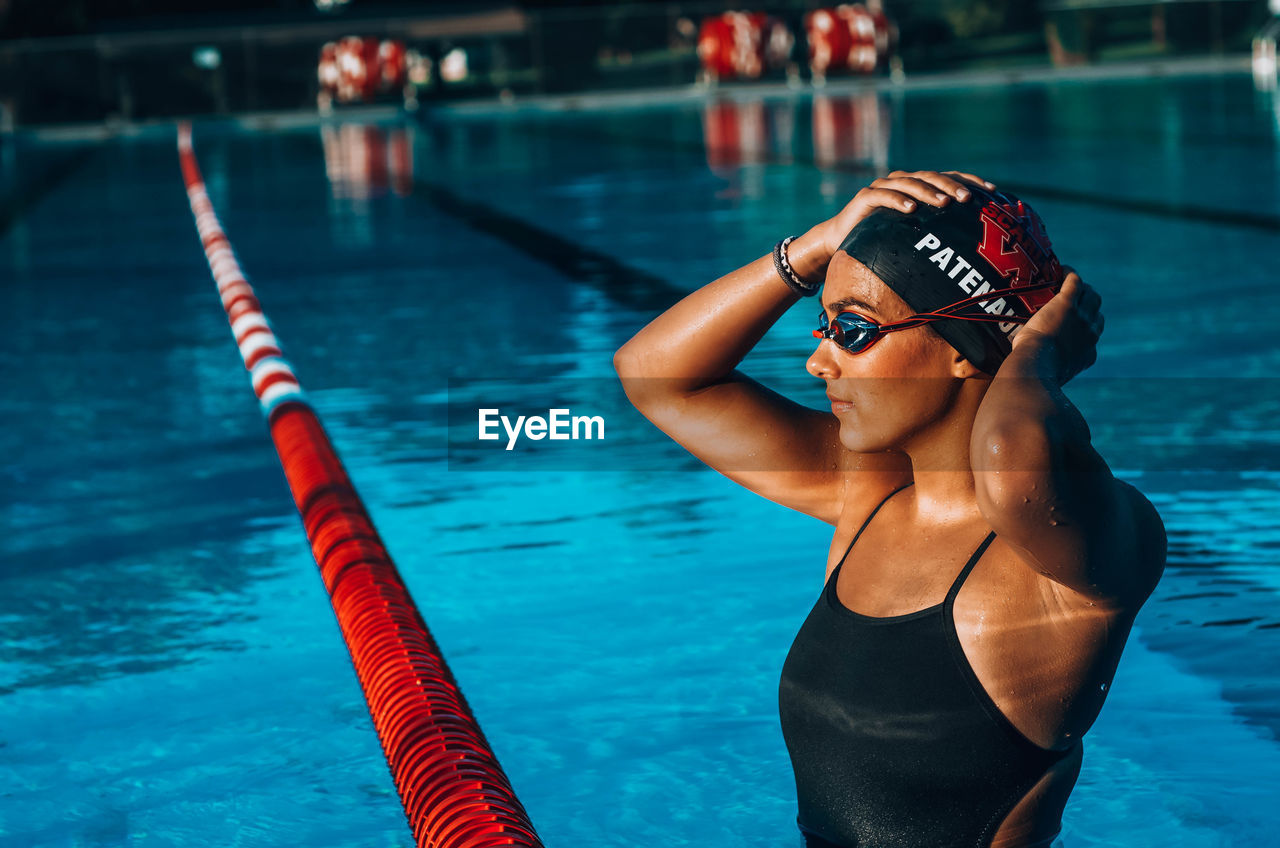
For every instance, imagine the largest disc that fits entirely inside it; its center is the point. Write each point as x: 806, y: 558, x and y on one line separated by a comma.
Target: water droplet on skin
x: 1103, y: 687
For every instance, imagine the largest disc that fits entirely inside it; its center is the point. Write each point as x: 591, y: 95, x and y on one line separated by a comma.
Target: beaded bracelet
x: 788, y: 276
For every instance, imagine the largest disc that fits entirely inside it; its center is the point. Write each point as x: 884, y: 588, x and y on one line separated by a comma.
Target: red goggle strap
x: 948, y: 311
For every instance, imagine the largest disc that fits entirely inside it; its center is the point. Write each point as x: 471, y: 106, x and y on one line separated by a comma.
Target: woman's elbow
x: 624, y: 361
x: 629, y: 365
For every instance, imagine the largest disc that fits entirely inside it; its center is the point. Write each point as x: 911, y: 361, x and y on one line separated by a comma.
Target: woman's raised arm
x: 680, y: 371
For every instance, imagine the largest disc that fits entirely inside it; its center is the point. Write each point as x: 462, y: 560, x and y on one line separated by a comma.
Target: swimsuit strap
x: 858, y: 535
x: 968, y: 566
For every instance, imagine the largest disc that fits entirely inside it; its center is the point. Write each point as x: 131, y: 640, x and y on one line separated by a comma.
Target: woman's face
x: 894, y: 390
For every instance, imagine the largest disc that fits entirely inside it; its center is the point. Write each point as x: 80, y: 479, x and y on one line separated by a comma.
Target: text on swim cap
x: 967, y: 278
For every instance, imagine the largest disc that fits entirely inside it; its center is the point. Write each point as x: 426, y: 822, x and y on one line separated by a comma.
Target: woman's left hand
x: 1071, y: 323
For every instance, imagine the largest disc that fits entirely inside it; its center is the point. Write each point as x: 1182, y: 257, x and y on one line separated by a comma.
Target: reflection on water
x: 845, y: 130
x: 851, y: 130
x: 734, y: 132
x: 363, y: 161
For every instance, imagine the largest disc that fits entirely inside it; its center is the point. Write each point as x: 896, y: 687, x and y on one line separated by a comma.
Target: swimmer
x: 985, y: 567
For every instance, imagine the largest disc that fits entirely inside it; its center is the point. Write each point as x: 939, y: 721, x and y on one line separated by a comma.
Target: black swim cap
x: 935, y: 256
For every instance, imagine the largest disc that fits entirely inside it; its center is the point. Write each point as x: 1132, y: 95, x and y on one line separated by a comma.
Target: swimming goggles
x: 856, y: 332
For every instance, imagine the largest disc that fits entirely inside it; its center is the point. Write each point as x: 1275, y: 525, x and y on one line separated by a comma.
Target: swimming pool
x: 171, y: 673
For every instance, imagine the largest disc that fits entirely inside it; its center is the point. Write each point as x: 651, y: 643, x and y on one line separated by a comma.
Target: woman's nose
x: 822, y: 363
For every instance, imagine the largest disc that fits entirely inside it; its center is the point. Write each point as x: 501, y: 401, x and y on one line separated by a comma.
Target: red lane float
x: 742, y: 45
x: 356, y: 69
x: 453, y: 790
x: 849, y: 37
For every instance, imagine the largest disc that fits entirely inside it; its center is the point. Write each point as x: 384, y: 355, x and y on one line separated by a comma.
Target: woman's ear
x: 963, y: 368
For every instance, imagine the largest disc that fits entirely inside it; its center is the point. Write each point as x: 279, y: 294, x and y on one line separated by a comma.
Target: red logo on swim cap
x: 1016, y: 245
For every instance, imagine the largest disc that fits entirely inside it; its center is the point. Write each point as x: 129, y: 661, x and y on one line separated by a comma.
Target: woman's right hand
x: 899, y: 190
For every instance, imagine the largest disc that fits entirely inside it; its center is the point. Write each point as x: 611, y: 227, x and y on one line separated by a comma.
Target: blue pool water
x: 170, y: 670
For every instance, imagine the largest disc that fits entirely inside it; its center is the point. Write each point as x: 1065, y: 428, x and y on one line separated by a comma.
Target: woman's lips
x: 838, y: 406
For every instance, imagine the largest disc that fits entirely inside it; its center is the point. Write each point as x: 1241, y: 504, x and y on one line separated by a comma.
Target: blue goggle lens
x: 850, y: 332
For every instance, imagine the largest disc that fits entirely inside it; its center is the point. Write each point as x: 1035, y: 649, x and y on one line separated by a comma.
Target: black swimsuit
x: 894, y: 741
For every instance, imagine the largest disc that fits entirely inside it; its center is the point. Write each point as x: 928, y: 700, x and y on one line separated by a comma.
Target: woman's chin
x: 857, y: 438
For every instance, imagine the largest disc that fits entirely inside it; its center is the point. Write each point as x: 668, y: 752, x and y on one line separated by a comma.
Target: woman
x: 938, y: 691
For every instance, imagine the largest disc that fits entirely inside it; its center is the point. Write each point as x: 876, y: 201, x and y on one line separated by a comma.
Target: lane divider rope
x: 454, y: 793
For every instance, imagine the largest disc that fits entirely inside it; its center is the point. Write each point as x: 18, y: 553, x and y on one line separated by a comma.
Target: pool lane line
x: 623, y: 283
x: 454, y: 792
x: 1156, y: 208
x: 16, y: 206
